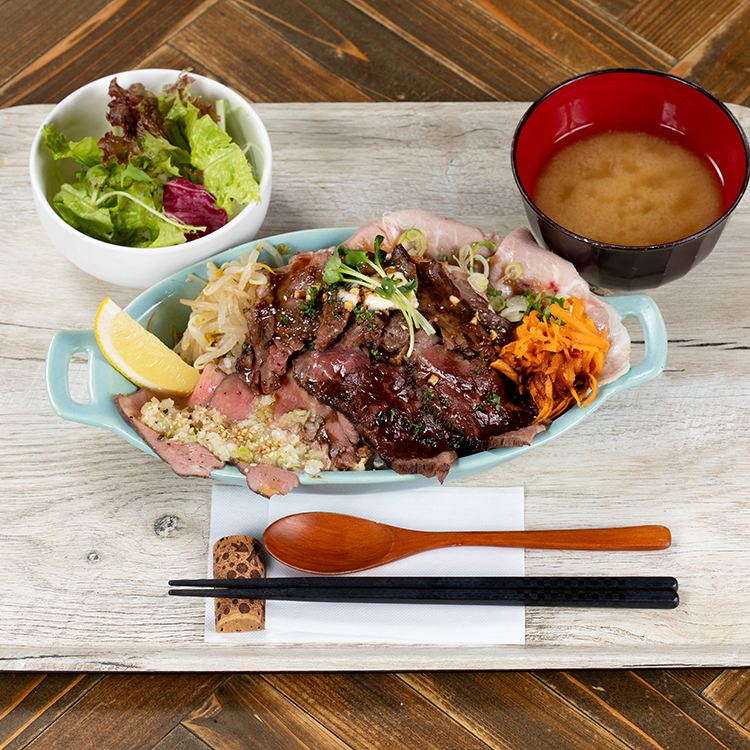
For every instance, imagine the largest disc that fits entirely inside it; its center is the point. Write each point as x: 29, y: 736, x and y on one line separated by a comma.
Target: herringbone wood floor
x: 375, y: 50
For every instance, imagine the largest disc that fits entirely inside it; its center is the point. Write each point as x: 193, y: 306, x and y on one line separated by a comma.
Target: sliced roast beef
x: 433, y: 466
x: 345, y: 447
x: 517, y: 438
x: 209, y: 380
x: 186, y: 459
x: 268, y: 480
x: 442, y: 236
x: 233, y: 398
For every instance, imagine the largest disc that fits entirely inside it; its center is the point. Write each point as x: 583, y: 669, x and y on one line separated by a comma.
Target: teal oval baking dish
x: 160, y: 307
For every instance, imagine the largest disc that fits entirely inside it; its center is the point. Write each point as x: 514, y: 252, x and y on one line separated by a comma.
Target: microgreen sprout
x: 346, y: 266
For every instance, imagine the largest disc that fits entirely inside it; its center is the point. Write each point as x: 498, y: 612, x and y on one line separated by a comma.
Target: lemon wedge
x: 139, y: 355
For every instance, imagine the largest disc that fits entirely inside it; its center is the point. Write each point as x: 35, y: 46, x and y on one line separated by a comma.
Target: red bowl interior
x: 641, y: 100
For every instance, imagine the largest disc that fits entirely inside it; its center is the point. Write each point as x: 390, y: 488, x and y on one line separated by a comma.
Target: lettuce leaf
x: 194, y: 205
x: 86, y: 151
x: 73, y: 204
x: 155, y: 140
x: 227, y: 174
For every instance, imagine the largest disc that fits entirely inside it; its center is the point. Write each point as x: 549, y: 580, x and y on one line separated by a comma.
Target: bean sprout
x: 217, y: 326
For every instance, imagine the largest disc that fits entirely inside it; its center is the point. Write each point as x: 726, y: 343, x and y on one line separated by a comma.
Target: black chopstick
x: 651, y: 592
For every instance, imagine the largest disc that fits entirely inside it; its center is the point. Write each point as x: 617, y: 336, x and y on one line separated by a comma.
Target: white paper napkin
x: 236, y: 510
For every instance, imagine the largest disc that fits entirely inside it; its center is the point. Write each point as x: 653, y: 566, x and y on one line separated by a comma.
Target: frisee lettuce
x: 118, y: 195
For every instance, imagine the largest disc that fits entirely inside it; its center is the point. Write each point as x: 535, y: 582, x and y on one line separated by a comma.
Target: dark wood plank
x: 116, y: 38
x: 120, y: 708
x: 479, y: 41
x: 730, y: 693
x: 320, y: 50
x: 647, y: 707
x: 713, y: 721
x: 376, y: 711
x: 247, y: 712
x: 29, y: 29
x: 517, y: 50
x: 579, y: 34
x: 721, y: 62
x: 166, y: 56
x: 29, y: 703
x: 515, y: 710
x: 677, y: 27
x: 614, y: 8
x: 15, y: 688
x: 695, y: 679
x: 181, y: 739
x: 267, y: 69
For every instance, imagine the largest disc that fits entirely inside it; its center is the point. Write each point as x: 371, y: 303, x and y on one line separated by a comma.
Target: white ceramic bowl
x: 82, y: 114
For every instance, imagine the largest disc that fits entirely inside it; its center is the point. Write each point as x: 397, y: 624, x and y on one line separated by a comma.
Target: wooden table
x: 92, y: 528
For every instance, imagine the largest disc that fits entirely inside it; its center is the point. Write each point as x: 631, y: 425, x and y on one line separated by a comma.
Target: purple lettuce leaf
x: 135, y: 110
x: 192, y: 205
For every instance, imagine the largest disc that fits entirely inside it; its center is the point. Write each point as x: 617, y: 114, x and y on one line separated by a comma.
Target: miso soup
x: 629, y: 188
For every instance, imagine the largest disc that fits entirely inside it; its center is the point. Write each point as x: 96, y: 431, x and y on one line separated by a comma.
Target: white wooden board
x: 91, y: 528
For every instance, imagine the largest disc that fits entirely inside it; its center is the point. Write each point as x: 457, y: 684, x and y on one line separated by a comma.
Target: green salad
x: 166, y: 173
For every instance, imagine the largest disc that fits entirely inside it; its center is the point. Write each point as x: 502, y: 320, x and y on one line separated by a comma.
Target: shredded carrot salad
x: 556, y: 357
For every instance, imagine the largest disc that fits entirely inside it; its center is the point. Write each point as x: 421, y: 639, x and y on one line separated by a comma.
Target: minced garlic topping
x: 288, y: 443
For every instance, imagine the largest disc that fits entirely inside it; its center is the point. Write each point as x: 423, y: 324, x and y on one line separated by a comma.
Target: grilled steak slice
x: 384, y: 404
x: 268, y: 480
x: 291, y: 313
x: 463, y: 317
x: 252, y: 363
x: 466, y: 395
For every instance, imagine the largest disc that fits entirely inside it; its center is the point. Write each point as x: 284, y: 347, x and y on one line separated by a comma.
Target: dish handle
x: 99, y: 410
x: 645, y: 310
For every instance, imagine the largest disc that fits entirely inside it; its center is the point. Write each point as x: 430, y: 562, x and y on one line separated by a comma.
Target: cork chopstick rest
x: 239, y: 557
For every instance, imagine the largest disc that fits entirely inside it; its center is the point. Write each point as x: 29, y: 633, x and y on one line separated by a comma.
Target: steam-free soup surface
x: 629, y: 188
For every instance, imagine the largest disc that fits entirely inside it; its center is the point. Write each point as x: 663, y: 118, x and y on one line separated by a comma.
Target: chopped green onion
x: 512, y: 271
x: 416, y: 237
x: 479, y: 282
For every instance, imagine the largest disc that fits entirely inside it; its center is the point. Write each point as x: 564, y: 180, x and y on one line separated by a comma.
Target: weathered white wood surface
x: 91, y: 528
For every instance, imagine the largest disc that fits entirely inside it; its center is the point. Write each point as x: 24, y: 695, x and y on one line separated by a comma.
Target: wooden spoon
x: 333, y: 543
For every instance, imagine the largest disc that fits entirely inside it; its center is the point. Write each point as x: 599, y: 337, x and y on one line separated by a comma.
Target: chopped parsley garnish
x: 361, y: 313
x: 309, y: 308
x: 495, y: 400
